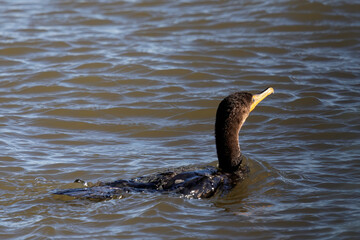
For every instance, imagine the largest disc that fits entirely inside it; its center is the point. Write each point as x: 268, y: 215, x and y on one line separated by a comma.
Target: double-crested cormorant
x: 201, y: 183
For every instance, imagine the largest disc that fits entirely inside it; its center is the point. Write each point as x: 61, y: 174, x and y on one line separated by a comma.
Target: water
x: 102, y: 90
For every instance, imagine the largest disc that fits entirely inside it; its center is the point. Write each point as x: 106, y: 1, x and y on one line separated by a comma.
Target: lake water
x: 103, y: 90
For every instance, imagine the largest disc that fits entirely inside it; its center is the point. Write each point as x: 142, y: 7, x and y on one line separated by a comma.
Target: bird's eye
x: 253, y: 99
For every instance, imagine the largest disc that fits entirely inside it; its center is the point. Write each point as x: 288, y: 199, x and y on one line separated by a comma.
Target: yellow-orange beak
x: 259, y: 97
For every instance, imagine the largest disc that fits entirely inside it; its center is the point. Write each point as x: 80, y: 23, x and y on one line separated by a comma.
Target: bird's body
x: 189, y: 182
x: 200, y: 183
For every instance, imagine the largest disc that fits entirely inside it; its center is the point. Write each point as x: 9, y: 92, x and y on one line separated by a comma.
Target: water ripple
x: 102, y: 90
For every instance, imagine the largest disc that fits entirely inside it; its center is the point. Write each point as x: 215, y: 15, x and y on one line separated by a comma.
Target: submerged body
x: 202, y: 183
x: 189, y: 183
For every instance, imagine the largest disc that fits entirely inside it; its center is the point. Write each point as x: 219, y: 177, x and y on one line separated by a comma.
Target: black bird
x: 199, y: 183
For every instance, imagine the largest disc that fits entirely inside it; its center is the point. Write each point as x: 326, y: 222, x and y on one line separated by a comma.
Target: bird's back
x: 201, y: 183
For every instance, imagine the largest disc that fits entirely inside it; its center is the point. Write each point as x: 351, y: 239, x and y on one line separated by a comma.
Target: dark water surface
x: 102, y: 90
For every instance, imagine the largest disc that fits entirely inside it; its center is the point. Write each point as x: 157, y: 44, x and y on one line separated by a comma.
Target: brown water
x: 102, y: 90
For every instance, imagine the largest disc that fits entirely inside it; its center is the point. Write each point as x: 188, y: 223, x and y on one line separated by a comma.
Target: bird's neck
x: 227, y: 145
